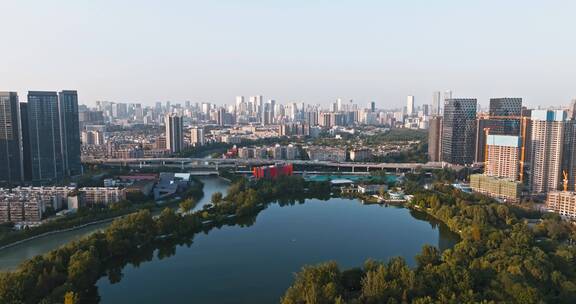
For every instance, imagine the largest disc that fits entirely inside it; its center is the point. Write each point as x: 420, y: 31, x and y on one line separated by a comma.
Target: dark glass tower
x: 505, y: 107
x: 11, y: 170
x: 70, y: 128
x: 459, y: 131
x: 26, y: 157
x: 47, y: 159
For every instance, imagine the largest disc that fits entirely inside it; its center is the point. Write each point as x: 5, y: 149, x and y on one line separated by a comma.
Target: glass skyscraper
x: 459, y: 131
x: 70, y: 128
x: 43, y: 123
x: 11, y: 170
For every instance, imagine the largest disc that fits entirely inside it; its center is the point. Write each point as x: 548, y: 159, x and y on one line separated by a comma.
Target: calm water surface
x: 255, y: 264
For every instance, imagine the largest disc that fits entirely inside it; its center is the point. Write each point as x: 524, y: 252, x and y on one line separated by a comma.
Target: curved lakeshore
x: 45, y: 234
x: 13, y: 254
x: 225, y: 252
x: 225, y: 265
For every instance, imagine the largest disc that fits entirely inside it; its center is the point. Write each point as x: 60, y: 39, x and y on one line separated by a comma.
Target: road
x: 220, y: 162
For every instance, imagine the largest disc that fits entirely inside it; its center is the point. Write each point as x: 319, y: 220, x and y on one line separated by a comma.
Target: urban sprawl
x: 48, y: 142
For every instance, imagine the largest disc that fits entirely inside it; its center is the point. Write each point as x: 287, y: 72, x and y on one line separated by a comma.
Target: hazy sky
x: 298, y: 50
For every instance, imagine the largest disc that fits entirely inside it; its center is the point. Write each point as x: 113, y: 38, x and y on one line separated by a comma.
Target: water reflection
x: 252, y: 260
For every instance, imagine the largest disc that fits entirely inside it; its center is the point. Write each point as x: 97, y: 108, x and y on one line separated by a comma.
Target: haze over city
x: 303, y: 51
x: 287, y: 151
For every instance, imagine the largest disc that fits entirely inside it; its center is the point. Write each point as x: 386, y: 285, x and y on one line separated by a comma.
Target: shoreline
x: 48, y: 233
x: 53, y: 232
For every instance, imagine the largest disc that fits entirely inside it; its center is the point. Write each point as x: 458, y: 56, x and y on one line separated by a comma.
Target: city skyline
x: 288, y: 151
x: 369, y: 51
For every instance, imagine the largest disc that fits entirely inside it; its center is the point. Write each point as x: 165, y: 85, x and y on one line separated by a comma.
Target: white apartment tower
x: 436, y: 102
x: 410, y: 105
x: 547, y: 150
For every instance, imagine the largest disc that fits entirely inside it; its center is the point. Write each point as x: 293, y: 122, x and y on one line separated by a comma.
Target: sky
x: 311, y: 51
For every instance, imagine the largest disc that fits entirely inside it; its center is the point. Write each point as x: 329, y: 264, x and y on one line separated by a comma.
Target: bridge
x: 209, y: 164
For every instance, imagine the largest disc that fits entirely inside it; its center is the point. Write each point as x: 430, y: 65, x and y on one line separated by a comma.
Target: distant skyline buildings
x: 257, y: 101
x: 410, y: 105
x: 204, y: 69
x: 174, y: 133
x: 436, y: 103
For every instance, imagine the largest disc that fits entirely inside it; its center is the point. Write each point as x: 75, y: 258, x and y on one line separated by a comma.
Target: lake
x: 255, y: 264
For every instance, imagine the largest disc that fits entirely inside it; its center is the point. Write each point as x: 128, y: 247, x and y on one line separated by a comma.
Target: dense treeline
x: 416, y: 153
x: 398, y: 134
x: 71, y: 271
x: 499, y: 260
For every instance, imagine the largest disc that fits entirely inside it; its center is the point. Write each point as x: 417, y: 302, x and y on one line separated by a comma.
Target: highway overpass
x: 247, y: 164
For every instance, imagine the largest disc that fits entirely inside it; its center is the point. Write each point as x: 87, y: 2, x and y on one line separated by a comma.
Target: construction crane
x: 487, y: 132
x: 565, y: 180
x: 524, y: 120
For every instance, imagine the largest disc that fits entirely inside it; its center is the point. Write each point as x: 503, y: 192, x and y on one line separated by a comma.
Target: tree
x: 383, y: 193
x: 216, y: 198
x: 167, y: 222
x: 476, y: 232
x: 315, y: 284
x: 71, y: 298
x: 430, y: 255
x: 187, y: 205
x: 84, y: 268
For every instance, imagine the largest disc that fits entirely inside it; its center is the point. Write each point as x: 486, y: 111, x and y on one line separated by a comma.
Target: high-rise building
x: 25, y: 142
x: 70, y: 128
x: 311, y: 117
x: 436, y: 103
x: 197, y: 136
x: 410, y: 105
x: 569, y: 158
x: 459, y: 131
x: 447, y: 94
x: 272, y: 113
x: 435, y: 139
x: 505, y: 107
x: 267, y: 115
x: 494, y: 126
x: 45, y: 137
x: 504, y: 119
x: 572, y: 109
x: 547, y: 150
x: 11, y: 163
x: 92, y: 138
x: 503, y: 156
x: 372, y: 106
x: 206, y: 106
x: 174, y: 133
x: 221, y: 116
x: 425, y: 110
